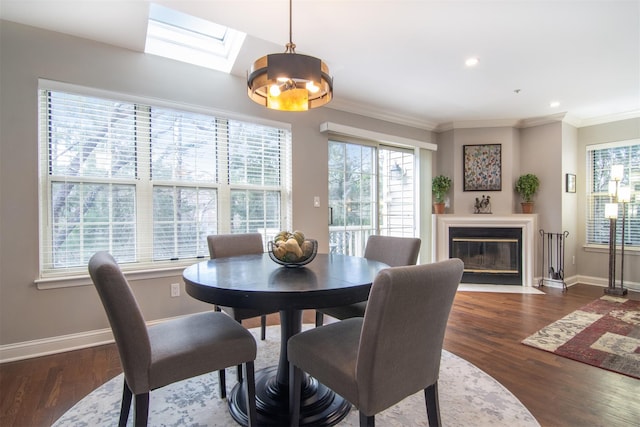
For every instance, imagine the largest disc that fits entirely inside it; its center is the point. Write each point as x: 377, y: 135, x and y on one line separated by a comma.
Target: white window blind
x: 600, y: 159
x: 149, y: 183
x: 397, y: 192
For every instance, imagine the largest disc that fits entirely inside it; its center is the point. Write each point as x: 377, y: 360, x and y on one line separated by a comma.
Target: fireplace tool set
x: 553, y: 263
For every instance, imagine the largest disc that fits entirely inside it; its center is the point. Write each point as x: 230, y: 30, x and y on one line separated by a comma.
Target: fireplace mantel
x: 528, y: 223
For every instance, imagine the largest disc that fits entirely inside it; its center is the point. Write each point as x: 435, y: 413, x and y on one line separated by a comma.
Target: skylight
x: 186, y: 38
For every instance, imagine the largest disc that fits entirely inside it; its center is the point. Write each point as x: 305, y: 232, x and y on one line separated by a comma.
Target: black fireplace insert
x: 491, y: 255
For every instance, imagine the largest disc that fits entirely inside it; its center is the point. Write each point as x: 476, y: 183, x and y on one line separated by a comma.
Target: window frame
x: 595, y: 198
x: 53, y: 277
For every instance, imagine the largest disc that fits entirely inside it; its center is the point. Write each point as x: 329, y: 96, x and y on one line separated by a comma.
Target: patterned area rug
x: 604, y: 333
x: 468, y: 397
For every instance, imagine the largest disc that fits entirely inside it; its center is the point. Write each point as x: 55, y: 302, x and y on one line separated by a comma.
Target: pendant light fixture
x: 289, y: 81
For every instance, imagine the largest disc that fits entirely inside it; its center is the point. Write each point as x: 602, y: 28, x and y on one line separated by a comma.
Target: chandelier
x: 289, y: 81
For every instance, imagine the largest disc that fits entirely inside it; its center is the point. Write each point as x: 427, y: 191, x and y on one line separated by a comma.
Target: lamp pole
x: 611, y: 212
x: 624, y: 197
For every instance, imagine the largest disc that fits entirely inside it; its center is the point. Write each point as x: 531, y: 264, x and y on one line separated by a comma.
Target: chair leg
x: 295, y: 385
x: 433, y: 405
x: 126, y: 405
x: 263, y: 327
x: 319, y: 318
x: 250, y: 387
x: 366, y: 421
x: 142, y: 410
x: 239, y: 367
x: 222, y: 382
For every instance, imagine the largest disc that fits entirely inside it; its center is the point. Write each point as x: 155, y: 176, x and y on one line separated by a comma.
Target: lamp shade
x: 617, y: 172
x: 611, y: 210
x: 624, y: 194
x: 290, y: 82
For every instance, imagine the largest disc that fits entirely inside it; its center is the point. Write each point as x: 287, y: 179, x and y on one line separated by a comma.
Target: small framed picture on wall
x: 570, y: 183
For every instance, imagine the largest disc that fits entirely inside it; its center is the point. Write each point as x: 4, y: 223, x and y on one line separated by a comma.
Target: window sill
x: 633, y: 251
x: 85, y: 280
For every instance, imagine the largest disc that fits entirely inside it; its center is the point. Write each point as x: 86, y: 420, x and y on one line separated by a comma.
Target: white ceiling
x: 404, y: 60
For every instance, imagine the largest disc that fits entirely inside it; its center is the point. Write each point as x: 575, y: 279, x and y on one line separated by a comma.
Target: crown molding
x: 610, y: 118
x: 376, y: 113
x: 421, y: 123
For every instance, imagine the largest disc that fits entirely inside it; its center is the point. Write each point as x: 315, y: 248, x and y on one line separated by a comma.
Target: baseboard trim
x: 59, y: 344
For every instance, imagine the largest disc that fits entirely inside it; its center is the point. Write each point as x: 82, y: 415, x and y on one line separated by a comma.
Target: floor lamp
x: 611, y: 212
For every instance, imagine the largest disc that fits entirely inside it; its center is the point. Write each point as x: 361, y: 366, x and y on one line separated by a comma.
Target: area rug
x: 468, y: 397
x: 604, y: 333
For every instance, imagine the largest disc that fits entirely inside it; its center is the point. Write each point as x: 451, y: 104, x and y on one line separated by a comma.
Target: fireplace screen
x: 490, y: 255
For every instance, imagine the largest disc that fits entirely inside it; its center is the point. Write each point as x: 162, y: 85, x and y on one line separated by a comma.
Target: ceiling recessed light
x: 471, y: 62
x: 554, y: 104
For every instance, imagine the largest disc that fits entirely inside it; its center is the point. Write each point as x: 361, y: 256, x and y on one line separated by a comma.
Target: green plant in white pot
x: 440, y: 186
x: 526, y: 186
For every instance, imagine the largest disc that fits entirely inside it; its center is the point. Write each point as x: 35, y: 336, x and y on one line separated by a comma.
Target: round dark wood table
x: 256, y: 281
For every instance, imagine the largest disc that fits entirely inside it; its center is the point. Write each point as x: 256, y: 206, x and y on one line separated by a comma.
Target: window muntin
x: 150, y: 183
x: 600, y: 159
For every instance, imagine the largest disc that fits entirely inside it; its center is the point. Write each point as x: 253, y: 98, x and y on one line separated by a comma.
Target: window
x: 600, y: 159
x: 371, y: 191
x: 193, y: 40
x: 149, y: 183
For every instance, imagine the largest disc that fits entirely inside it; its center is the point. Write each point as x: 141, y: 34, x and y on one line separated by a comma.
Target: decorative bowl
x: 289, y: 259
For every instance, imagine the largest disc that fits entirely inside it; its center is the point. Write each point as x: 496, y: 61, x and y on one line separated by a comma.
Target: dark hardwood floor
x: 484, y: 328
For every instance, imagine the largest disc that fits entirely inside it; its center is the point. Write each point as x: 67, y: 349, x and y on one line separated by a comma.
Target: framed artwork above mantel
x: 482, y: 165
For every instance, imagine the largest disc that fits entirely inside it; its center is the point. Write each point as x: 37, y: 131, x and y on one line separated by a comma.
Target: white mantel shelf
x: 528, y: 223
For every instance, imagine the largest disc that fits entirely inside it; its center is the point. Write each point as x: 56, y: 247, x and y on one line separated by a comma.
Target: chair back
x: 403, y: 332
x: 393, y: 251
x: 125, y: 318
x: 228, y: 245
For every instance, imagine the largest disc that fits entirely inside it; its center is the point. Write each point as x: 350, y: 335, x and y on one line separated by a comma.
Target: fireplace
x: 526, y: 224
x: 491, y: 255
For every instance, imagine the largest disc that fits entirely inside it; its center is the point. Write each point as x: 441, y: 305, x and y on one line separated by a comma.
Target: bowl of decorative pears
x: 292, y: 249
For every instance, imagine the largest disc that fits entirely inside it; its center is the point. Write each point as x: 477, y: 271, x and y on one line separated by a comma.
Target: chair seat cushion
x: 346, y: 311
x: 331, y: 350
x: 197, y: 344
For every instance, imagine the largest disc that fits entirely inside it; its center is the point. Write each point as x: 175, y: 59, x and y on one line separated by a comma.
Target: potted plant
x: 526, y: 186
x: 440, y: 185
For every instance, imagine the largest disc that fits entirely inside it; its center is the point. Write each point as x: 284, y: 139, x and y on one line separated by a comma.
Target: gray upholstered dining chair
x: 393, y: 251
x: 171, y: 351
x: 229, y: 245
x: 391, y: 353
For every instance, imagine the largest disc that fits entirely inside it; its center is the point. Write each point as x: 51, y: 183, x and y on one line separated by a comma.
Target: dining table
x: 257, y: 282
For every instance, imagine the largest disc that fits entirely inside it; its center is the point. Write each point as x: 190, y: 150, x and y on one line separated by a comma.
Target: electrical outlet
x: 175, y: 289
x: 316, y: 202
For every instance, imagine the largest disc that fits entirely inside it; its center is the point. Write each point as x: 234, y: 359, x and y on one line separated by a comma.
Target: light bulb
x: 274, y: 90
x: 311, y: 87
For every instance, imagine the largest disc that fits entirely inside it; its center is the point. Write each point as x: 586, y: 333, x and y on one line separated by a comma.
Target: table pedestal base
x: 320, y: 406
